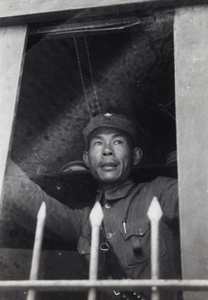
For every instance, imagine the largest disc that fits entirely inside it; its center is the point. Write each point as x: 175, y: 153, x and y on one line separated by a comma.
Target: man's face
x: 110, y: 157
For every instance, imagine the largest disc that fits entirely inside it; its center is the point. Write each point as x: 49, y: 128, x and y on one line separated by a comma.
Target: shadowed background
x: 66, y: 80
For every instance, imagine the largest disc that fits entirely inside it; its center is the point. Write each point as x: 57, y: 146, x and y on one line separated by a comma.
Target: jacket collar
x: 122, y: 190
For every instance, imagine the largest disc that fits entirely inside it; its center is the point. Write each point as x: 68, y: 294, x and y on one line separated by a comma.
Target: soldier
x: 111, y: 152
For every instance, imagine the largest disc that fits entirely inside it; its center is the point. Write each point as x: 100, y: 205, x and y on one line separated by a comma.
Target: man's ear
x: 86, y: 158
x: 137, y: 155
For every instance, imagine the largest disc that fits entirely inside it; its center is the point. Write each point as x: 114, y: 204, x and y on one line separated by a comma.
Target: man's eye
x: 117, y: 142
x: 98, y: 143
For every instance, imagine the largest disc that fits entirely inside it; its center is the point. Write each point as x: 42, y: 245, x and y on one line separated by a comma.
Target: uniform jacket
x: 126, y: 227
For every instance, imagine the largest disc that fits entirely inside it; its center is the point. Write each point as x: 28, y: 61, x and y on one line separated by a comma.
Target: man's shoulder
x: 159, y: 187
x: 158, y: 181
x: 164, y: 180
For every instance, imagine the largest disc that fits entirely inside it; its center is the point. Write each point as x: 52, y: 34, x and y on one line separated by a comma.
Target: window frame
x: 14, y: 36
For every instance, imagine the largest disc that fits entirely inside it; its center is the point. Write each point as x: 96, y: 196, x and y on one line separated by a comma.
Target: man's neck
x: 110, y: 185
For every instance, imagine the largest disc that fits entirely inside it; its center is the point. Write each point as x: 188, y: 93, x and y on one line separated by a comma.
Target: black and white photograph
x: 103, y: 150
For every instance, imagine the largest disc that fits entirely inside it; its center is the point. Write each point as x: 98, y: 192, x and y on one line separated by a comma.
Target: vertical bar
x: 12, y: 46
x: 154, y: 213
x: 41, y: 217
x: 154, y: 257
x: 191, y: 89
x: 96, y: 217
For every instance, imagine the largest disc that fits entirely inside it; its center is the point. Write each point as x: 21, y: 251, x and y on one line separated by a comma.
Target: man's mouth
x: 109, y: 165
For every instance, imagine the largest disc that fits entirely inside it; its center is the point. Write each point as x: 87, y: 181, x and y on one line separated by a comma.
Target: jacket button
x: 141, y: 233
x: 107, y: 205
x: 109, y: 235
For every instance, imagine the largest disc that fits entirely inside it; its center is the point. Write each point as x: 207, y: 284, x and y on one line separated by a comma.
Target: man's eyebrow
x: 100, y: 136
x: 96, y: 136
x: 119, y: 134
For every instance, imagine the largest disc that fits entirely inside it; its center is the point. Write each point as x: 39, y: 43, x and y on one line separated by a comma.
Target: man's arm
x: 166, y: 190
x: 22, y: 197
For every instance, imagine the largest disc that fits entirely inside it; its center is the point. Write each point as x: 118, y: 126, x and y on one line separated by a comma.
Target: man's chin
x: 109, y: 180
x: 109, y: 176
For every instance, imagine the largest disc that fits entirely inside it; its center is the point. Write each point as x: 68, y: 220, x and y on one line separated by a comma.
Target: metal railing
x: 93, y: 284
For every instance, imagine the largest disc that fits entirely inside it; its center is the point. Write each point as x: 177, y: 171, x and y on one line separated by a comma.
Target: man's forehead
x: 102, y: 131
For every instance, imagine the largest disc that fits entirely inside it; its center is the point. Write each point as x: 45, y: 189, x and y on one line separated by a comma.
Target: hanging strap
x: 81, y: 76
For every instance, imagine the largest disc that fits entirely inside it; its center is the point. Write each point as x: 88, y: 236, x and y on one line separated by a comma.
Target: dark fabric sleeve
x: 22, y: 199
x: 166, y: 190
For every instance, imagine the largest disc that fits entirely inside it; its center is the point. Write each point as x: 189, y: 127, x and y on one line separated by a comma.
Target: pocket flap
x: 136, y: 227
x: 83, y: 245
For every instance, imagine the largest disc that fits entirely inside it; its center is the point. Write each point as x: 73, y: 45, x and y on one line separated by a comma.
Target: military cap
x: 111, y: 120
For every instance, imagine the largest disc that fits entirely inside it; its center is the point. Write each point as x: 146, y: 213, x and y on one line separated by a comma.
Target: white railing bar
x: 68, y: 285
x: 154, y: 214
x: 41, y: 217
x: 96, y: 218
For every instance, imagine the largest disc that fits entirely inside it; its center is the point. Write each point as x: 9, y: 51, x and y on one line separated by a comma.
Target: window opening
x: 126, y: 67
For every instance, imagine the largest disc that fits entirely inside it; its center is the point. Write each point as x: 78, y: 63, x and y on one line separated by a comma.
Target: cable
x: 81, y: 75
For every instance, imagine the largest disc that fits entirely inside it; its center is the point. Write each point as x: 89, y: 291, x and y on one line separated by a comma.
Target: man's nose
x: 107, y: 152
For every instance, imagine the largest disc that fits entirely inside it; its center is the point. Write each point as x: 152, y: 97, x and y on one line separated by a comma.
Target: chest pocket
x: 136, y: 242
